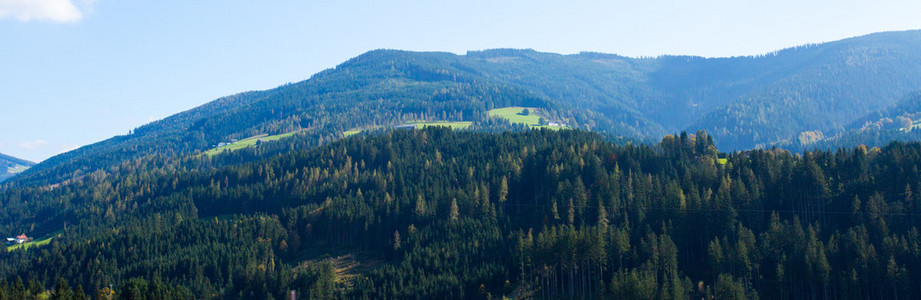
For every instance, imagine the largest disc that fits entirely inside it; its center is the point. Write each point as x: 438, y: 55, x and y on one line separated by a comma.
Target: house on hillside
x: 22, y: 238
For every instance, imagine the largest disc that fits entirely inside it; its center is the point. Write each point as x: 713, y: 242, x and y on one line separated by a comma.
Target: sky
x: 75, y: 72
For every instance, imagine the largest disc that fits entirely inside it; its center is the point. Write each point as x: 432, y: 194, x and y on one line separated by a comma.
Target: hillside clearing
x: 352, y: 132
x: 418, y: 124
x: 515, y: 115
x: 452, y: 125
x: 248, y: 142
x: 17, y: 169
x: 35, y: 243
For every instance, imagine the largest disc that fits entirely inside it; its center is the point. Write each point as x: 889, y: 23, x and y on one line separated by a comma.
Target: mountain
x: 823, y: 87
x: 743, y: 102
x: 329, y: 187
x: 11, y: 166
x: 895, y: 123
x: 438, y: 213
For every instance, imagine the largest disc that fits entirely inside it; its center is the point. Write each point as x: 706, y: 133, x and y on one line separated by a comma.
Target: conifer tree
x: 455, y: 211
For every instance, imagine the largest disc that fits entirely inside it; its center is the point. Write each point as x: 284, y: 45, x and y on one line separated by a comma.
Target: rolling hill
x: 11, y: 166
x: 439, y: 213
x: 900, y: 122
x: 341, y: 186
x: 743, y: 102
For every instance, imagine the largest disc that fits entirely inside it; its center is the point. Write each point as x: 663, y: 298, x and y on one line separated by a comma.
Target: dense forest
x: 609, y: 209
x: 437, y: 213
x: 899, y: 122
x: 810, y: 93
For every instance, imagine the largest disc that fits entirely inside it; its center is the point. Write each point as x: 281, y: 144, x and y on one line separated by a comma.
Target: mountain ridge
x: 743, y: 102
x: 11, y: 166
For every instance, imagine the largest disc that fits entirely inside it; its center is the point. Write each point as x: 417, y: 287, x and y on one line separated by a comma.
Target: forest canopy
x: 437, y: 213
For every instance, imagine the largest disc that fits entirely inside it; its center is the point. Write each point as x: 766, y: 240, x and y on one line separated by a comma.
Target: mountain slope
x: 900, y: 122
x: 834, y: 84
x: 377, y: 88
x: 10, y: 166
x: 435, y: 213
x: 743, y: 102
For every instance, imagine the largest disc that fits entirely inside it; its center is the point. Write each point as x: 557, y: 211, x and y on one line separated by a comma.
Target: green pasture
x: 248, y: 142
x: 35, y: 243
x: 17, y: 169
x: 453, y: 125
x: 513, y: 114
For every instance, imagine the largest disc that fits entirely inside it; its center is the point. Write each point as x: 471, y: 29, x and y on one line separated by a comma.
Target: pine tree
x: 455, y: 211
x: 62, y: 290
x: 503, y: 189
x: 420, y: 206
x: 571, y: 216
x: 554, y: 210
x: 602, y: 215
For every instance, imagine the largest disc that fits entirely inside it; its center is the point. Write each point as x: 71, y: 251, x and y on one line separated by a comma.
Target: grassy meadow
x: 248, y: 142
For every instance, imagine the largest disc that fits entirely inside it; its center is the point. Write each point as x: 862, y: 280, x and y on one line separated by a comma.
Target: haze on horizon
x: 80, y: 71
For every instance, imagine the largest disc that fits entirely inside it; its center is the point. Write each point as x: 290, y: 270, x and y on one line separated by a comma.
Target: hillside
x: 744, y: 102
x: 899, y: 122
x: 10, y: 166
x: 823, y: 87
x: 438, y: 213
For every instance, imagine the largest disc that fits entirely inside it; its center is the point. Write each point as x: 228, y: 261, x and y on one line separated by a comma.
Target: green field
x: 358, y: 130
x: 352, y: 132
x: 35, y: 243
x: 248, y: 142
x: 419, y: 124
x: 513, y: 114
x: 453, y: 125
x: 17, y: 169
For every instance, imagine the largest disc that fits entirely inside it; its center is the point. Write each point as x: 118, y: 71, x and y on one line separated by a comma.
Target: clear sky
x: 74, y: 72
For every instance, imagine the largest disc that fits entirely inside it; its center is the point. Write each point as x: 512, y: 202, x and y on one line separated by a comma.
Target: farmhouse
x: 22, y: 238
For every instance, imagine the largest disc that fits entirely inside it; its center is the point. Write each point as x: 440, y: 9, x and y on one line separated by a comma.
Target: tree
x: 503, y: 190
x: 455, y: 211
x: 62, y: 290
x: 728, y: 288
x: 420, y: 206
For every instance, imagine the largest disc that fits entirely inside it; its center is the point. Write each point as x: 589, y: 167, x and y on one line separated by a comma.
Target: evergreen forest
x: 438, y: 213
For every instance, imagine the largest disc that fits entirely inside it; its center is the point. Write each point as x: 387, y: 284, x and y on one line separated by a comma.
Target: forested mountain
x: 352, y: 205
x: 10, y: 166
x: 437, y: 213
x: 896, y: 123
x: 823, y: 87
x: 744, y: 102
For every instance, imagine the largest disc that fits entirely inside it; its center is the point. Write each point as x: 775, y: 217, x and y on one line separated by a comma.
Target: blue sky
x: 74, y: 72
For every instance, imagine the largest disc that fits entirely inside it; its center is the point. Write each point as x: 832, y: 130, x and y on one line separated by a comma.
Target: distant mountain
x: 10, y: 166
x: 900, y: 122
x: 819, y: 87
x: 743, y: 102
